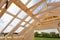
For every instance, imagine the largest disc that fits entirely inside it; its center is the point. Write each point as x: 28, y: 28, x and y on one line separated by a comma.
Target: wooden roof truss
x: 36, y: 18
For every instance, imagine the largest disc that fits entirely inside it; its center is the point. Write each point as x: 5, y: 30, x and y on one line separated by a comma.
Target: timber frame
x: 48, y: 18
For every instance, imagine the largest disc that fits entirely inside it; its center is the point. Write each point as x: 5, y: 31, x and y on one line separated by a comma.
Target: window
x: 5, y: 20
x: 12, y: 25
x: 33, y: 2
x: 22, y: 15
x: 19, y: 29
x: 38, y: 8
x: 13, y: 9
x: 28, y: 18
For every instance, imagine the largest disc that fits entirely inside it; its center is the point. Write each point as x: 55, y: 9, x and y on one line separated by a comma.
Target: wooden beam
x: 10, y: 22
x: 49, y: 21
x: 24, y: 8
x: 4, y: 9
x: 27, y: 29
x: 35, y: 6
x: 2, y: 12
x: 47, y: 10
x: 28, y: 2
x: 52, y: 25
x: 2, y: 3
x: 44, y: 7
x: 51, y: 13
x: 45, y: 28
x: 54, y: 12
x: 15, y: 16
x: 17, y: 26
x: 54, y: 4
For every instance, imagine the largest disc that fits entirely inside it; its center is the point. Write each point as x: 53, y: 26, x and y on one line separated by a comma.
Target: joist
x: 39, y: 23
x: 27, y: 11
x: 10, y: 22
x: 24, y: 8
x: 54, y: 4
x: 17, y: 26
x: 49, y: 21
x: 48, y: 10
x: 36, y: 5
x: 13, y: 16
x: 27, y: 29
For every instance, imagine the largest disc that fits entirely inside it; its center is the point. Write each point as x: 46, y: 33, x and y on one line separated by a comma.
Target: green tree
x: 52, y: 34
x: 36, y: 34
x: 43, y: 34
x: 57, y: 35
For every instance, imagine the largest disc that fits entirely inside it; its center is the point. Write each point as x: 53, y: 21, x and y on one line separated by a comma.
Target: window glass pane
x: 12, y: 25
x: 24, y: 1
x: 13, y: 9
x: 33, y: 2
x: 5, y: 20
x: 22, y: 15
x: 19, y: 29
x: 38, y: 9
x: 28, y: 18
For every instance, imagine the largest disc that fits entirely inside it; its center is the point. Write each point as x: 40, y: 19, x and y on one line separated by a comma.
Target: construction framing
x: 48, y: 18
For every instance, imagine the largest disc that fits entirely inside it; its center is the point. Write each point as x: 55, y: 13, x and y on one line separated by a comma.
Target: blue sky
x: 14, y: 9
